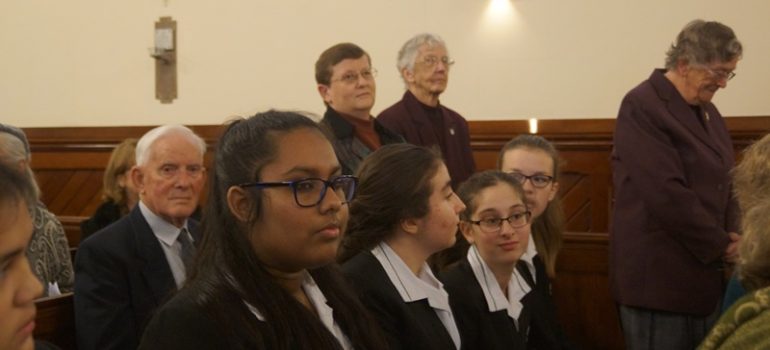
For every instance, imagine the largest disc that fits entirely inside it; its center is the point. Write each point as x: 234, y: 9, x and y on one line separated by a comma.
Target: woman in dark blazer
x: 265, y: 277
x: 404, y: 211
x: 485, y: 290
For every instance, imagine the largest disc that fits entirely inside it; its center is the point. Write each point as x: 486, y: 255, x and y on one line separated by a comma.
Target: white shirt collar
x: 496, y: 301
x: 529, y: 256
x: 411, y: 287
x: 325, y: 312
x: 165, y: 231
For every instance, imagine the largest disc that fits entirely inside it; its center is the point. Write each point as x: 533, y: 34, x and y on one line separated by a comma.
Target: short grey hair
x: 408, y: 53
x: 702, y: 42
x: 14, y: 147
x: 144, y: 146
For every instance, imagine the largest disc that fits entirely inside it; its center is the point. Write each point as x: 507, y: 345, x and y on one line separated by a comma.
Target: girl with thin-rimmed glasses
x: 485, y: 290
x: 535, y: 163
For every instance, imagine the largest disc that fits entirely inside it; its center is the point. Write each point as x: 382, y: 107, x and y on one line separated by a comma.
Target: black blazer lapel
x: 151, y: 259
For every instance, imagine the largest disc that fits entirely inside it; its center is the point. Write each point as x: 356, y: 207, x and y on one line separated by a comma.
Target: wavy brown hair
x: 754, y: 262
x: 751, y: 185
x: 121, y: 160
x: 751, y: 177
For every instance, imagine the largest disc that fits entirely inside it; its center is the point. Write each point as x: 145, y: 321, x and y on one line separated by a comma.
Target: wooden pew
x: 55, y: 321
x: 69, y: 163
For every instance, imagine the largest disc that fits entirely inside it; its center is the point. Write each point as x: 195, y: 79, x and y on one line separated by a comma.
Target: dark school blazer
x: 545, y: 331
x: 479, y: 328
x: 413, y: 325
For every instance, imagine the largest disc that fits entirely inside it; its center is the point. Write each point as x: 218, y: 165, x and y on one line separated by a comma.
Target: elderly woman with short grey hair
x: 674, y: 222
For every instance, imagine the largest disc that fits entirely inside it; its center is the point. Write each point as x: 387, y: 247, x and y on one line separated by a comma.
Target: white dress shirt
x: 412, y: 287
x: 496, y: 300
x: 167, y: 234
x: 325, y: 312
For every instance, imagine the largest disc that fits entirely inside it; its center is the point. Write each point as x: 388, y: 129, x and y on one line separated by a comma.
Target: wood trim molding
x: 84, y: 139
x: 581, y: 133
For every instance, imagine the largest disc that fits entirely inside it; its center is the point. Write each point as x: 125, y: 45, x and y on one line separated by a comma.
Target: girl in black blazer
x: 485, y: 290
x: 404, y: 211
x: 265, y: 277
x: 535, y: 162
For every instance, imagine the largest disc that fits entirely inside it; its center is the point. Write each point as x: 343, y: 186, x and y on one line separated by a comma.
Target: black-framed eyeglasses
x: 537, y: 180
x: 311, y: 191
x: 492, y: 225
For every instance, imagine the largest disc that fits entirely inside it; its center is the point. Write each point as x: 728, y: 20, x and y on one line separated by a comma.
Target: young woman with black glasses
x: 265, y: 277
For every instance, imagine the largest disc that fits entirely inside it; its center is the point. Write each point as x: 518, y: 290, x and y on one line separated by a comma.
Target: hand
x: 731, y: 253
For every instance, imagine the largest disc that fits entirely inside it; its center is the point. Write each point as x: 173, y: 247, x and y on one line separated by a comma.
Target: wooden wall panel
x: 582, y: 295
x: 69, y: 163
x: 55, y: 321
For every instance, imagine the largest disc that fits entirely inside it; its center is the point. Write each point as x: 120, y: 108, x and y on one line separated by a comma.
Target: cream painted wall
x: 85, y: 63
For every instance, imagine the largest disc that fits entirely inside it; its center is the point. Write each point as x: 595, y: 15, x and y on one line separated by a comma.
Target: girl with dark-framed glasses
x: 404, y: 211
x: 485, y: 290
x: 265, y: 277
x: 535, y: 163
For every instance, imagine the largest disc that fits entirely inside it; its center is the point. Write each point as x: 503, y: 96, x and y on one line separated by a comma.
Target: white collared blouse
x: 413, y: 287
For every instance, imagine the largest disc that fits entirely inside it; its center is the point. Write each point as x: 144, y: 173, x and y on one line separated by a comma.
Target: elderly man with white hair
x: 128, y: 269
x: 419, y: 117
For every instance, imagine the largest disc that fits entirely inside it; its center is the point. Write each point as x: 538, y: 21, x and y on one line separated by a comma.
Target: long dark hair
x: 547, y: 229
x: 228, y: 272
x: 394, y: 184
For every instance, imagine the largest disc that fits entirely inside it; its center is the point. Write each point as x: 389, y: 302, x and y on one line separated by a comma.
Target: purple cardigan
x: 407, y: 117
